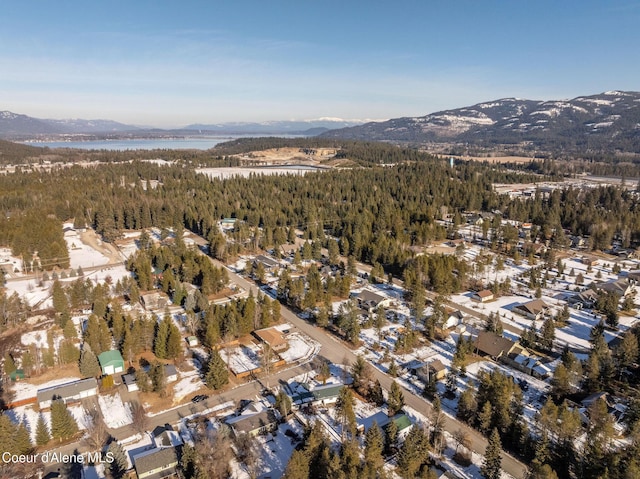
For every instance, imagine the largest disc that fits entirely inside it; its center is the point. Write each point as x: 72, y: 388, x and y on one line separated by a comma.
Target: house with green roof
x: 403, y: 423
x: 111, y: 362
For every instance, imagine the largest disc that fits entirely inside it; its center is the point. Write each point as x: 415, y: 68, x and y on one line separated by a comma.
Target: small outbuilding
x: 111, y: 362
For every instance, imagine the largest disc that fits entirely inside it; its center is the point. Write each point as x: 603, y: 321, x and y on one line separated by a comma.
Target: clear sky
x: 169, y: 63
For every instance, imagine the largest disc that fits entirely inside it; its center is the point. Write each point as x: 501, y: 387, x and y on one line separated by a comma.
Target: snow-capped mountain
x: 276, y: 127
x: 606, y: 122
x: 16, y: 125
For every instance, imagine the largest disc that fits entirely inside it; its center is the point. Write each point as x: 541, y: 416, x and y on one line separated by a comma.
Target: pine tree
x: 174, y: 342
x: 391, y: 438
x: 376, y: 396
x: 412, y: 454
x: 70, y: 331
x: 42, y: 432
x: 160, y: 341
x: 23, y: 439
x: 217, y: 373
x: 143, y: 381
x: 548, y: 334
x: 395, y: 402
x: 298, y: 466
x: 63, y: 424
x: 8, y: 432
x: 89, y: 364
x: 9, y: 364
x: 119, y: 465
x: 373, y: 447
x: 491, y: 466
x: 158, y: 377
x: 345, y: 413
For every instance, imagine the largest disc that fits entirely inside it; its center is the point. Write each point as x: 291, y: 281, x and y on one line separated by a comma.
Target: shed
x: 111, y: 362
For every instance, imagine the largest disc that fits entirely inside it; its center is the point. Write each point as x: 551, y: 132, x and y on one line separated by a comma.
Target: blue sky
x: 168, y: 63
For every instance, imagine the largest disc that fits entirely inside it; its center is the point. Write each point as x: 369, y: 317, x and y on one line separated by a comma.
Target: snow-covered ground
x: 189, y: 382
x: 242, y: 358
x: 25, y: 390
x: 29, y: 416
x: 83, y: 255
x: 116, y: 414
x: 300, y: 348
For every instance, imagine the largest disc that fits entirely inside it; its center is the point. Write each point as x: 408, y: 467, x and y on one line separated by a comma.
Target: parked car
x: 199, y: 397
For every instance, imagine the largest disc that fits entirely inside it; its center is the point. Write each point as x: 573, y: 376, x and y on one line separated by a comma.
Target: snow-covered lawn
x: 189, y: 382
x: 242, y: 358
x: 29, y: 416
x: 25, y: 390
x: 300, y: 347
x: 116, y: 414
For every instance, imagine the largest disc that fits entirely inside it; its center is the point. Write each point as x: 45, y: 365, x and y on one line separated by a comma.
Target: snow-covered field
x: 83, y: 255
x: 29, y: 416
x: 116, y: 414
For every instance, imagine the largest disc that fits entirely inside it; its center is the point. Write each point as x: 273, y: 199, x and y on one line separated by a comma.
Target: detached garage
x: 111, y: 362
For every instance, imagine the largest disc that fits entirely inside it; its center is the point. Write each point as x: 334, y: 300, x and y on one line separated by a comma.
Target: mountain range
x: 17, y: 126
x: 607, y: 122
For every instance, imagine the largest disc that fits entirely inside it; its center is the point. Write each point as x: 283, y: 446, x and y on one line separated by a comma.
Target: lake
x: 199, y: 143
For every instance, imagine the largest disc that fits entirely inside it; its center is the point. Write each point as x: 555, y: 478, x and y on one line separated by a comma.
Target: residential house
x: 157, y: 463
x: 621, y: 287
x: 68, y: 392
x: 326, y: 394
x: 454, y: 318
x: 254, y: 424
x: 166, y: 436
x: 482, y: 296
x: 273, y: 338
x: 369, y: 300
x: 268, y: 263
x: 590, y: 261
x: 111, y: 362
x: 586, y: 299
x: 494, y: 346
x: 170, y: 375
x: 533, y: 310
x: 153, y: 300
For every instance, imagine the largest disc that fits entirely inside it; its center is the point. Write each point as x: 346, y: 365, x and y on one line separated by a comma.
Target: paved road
x: 338, y: 352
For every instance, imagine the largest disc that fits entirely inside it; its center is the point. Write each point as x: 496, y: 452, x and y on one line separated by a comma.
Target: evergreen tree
x: 376, y: 396
x: 158, y: 377
x: 491, y: 466
x: 42, y: 432
x: 174, y: 342
x: 89, y: 364
x: 413, y: 453
x: 298, y: 466
x: 217, y: 373
x: 395, y: 401
x: 373, y: 447
x: 345, y: 413
x: 63, y: 424
x: 118, y: 467
x: 161, y: 338
x: 9, y: 364
x: 548, y: 334
x: 70, y: 331
x: 391, y: 438
x: 23, y: 439
x: 143, y: 381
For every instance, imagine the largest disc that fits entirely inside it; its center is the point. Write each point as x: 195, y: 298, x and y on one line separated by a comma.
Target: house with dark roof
x: 68, y: 392
x: 586, y: 299
x: 158, y: 463
x: 368, y: 299
x: 268, y: 263
x: 534, y: 309
x: 254, y: 424
x: 111, y: 362
x: 621, y: 287
x: 494, y: 346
